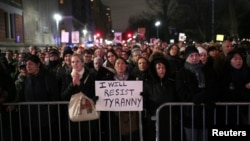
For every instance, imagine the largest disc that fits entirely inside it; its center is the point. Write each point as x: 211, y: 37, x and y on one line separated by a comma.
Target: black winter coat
x: 63, y: 76
x: 188, y: 91
x: 39, y: 88
x: 88, y: 88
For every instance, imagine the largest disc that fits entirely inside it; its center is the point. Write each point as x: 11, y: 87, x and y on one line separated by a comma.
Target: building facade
x: 31, y: 22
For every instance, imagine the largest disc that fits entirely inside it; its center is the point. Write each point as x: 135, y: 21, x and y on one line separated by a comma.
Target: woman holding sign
x: 125, y: 125
x: 158, y: 89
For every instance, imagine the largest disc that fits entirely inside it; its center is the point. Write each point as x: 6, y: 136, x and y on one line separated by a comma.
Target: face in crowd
x: 120, y: 66
x: 193, y: 58
x: 77, y: 62
x: 142, y: 64
x: 160, y: 70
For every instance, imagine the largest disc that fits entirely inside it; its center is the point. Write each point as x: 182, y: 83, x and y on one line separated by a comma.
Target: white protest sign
x: 119, y: 95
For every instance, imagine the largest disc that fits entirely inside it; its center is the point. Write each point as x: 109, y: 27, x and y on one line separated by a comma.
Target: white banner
x: 75, y: 37
x: 119, y: 95
x: 65, y: 37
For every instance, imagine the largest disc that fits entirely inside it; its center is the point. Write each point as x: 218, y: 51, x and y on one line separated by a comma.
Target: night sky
x: 121, y: 10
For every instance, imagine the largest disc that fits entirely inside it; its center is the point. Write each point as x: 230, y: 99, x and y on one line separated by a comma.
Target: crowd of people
x: 178, y: 72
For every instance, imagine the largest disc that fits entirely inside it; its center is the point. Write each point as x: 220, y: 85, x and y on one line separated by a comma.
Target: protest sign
x: 119, y: 95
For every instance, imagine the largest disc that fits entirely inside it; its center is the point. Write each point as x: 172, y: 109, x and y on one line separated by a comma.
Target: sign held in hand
x: 119, y: 95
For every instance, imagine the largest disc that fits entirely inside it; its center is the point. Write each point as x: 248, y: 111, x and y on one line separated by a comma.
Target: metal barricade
x: 189, y: 122
x: 48, y: 121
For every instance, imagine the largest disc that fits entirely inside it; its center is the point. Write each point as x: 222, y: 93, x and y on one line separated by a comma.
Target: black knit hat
x: 67, y: 50
x: 53, y: 52
x: 189, y: 50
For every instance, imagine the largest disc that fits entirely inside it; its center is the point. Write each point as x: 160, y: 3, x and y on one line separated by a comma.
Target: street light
x: 157, y: 24
x: 58, y: 18
x: 84, y: 31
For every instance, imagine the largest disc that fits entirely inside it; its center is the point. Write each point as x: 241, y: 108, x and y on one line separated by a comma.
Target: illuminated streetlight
x: 84, y: 31
x: 58, y: 18
x: 157, y: 24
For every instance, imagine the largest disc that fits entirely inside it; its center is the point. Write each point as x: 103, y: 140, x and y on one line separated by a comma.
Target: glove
x: 95, y: 98
x: 142, y: 94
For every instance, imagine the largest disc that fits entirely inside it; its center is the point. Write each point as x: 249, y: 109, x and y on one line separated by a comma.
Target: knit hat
x: 202, y: 50
x: 53, y: 52
x: 189, y: 50
x: 67, y: 50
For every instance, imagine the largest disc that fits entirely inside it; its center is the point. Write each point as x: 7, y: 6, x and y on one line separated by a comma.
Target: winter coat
x: 175, y: 64
x: 188, y: 91
x: 156, y: 92
x: 63, y: 77
x: 39, y: 88
x: 88, y: 87
x: 102, y: 73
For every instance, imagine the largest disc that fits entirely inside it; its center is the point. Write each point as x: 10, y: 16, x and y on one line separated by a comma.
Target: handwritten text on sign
x: 119, y: 95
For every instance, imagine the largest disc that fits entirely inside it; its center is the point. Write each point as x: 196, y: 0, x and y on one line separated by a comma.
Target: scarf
x: 120, y: 78
x: 196, y: 69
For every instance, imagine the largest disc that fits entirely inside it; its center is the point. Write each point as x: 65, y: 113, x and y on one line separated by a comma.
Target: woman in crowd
x: 111, y: 56
x: 63, y: 76
x: 235, y: 87
x: 126, y: 123
x: 203, y: 55
x: 82, y: 81
x: 158, y: 89
x: 63, y: 72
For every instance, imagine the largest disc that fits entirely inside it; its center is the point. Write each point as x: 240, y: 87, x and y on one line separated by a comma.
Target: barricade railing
x: 203, y: 122
x: 48, y: 121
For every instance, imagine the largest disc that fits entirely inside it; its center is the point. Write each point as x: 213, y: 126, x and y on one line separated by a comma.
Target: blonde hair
x: 79, y: 56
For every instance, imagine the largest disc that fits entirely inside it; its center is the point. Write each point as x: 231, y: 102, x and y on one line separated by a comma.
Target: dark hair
x: 121, y: 58
x: 169, y: 48
x: 35, y: 59
x: 114, y: 53
x: 87, y: 51
x: 231, y: 54
x: 156, y: 61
